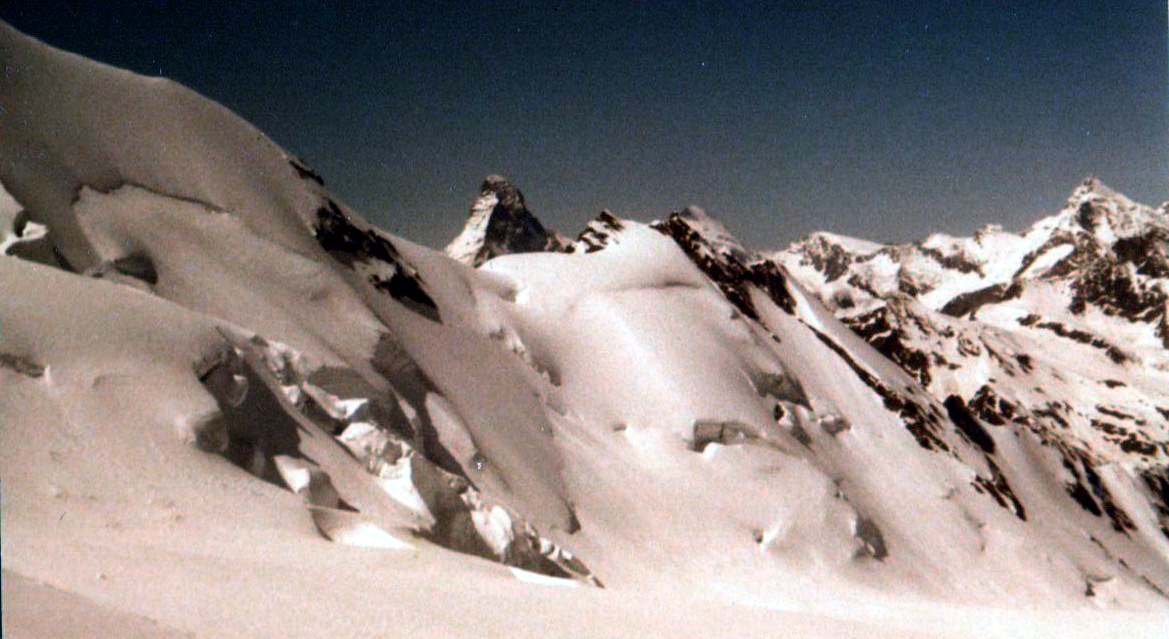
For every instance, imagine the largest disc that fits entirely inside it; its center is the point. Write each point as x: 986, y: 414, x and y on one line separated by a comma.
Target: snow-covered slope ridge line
x: 208, y: 361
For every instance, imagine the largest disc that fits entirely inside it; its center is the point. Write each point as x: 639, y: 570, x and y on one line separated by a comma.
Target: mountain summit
x: 500, y: 223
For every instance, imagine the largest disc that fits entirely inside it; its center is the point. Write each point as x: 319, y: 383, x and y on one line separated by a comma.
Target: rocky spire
x: 500, y: 223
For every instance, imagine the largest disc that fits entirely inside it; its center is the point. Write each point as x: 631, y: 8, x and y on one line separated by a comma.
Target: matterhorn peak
x: 500, y: 223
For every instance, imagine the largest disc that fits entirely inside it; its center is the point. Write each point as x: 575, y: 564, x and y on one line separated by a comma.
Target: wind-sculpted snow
x: 206, y: 244
x: 213, y: 371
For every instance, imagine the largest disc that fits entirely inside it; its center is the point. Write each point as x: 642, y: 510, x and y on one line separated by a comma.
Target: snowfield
x: 231, y: 407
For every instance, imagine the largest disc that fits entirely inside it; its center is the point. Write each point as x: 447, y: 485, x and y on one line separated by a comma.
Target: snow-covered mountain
x: 1061, y: 329
x: 230, y: 406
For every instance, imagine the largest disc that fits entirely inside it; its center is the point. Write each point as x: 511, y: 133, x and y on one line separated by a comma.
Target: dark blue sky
x: 883, y: 120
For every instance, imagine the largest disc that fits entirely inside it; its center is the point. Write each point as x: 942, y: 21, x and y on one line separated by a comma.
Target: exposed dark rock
x: 1064, y: 266
x: 955, y: 262
x: 1111, y: 288
x: 1088, y: 216
x: 1081, y: 336
x: 881, y: 328
x: 1134, y: 444
x: 304, y: 172
x: 1000, y: 490
x: 827, y: 257
x: 348, y: 244
x: 1146, y: 251
x: 23, y: 365
x: 967, y: 303
x: 1089, y: 491
x: 1157, y: 482
x: 598, y: 233
x: 1112, y: 412
x: 967, y: 424
x: 1055, y: 411
x: 924, y: 425
x: 992, y: 409
x: 728, y: 270
x: 337, y: 234
x: 858, y: 282
x: 407, y: 290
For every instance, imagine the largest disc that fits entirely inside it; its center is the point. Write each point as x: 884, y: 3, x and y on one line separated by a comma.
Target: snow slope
x: 231, y: 407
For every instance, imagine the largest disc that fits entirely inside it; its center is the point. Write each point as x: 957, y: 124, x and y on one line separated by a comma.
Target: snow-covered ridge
x: 940, y: 268
x: 1060, y: 329
x: 214, y: 372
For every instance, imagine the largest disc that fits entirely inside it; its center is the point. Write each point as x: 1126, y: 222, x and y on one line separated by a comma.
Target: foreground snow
x: 231, y: 407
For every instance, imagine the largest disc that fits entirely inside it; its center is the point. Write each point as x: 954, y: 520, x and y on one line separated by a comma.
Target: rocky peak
x: 829, y: 254
x: 500, y: 223
x: 599, y: 232
x: 1097, y: 209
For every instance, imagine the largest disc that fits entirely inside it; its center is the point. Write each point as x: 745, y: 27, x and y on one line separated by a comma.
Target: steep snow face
x: 219, y: 221
x: 500, y: 223
x: 213, y: 334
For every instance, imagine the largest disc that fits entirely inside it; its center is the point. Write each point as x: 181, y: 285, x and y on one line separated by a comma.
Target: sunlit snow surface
x: 230, y: 407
